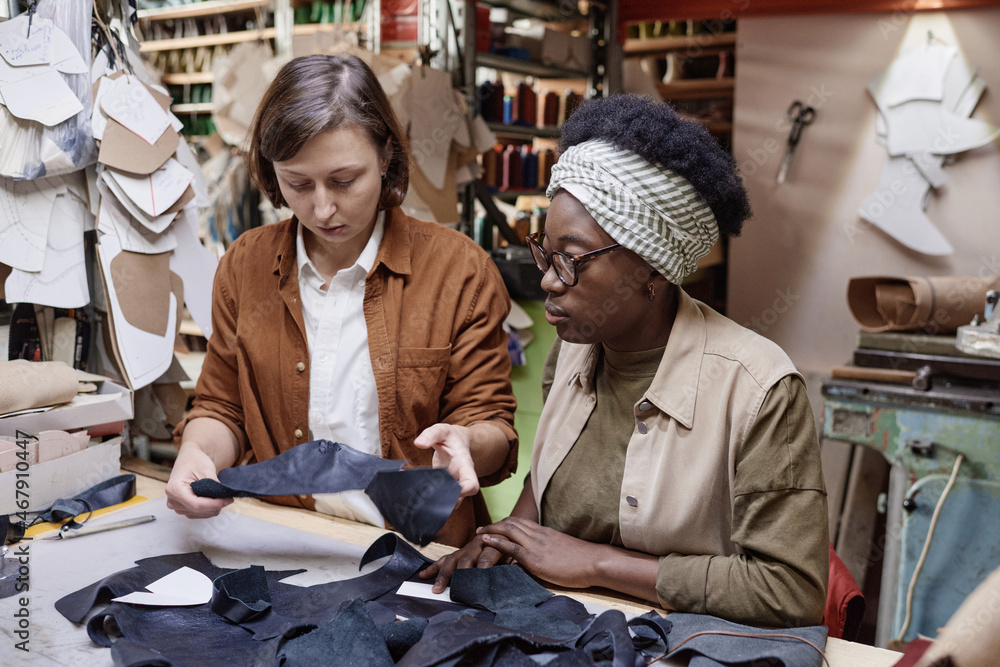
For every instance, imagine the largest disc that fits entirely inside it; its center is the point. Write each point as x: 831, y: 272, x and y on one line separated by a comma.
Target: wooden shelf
x: 313, y: 28
x: 206, y: 8
x: 240, y: 36
x: 205, y: 40
x: 696, y: 89
x: 658, y: 45
x: 183, y: 78
x: 523, y: 131
x: 199, y: 107
x: 503, y: 63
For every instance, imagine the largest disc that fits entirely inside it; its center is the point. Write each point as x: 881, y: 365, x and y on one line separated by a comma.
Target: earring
x: 651, y: 292
x: 383, y: 175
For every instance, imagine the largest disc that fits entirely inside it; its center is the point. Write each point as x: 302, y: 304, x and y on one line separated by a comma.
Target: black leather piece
x: 650, y: 632
x: 538, y: 621
x: 518, y: 601
x: 455, y: 634
x: 417, y: 503
x: 715, y: 650
x: 607, y: 641
x: 319, y: 466
x: 129, y: 654
x: 75, y: 606
x: 107, y: 493
x: 400, y: 636
x: 497, y: 588
x: 241, y: 595
x: 349, y: 638
x: 410, y: 607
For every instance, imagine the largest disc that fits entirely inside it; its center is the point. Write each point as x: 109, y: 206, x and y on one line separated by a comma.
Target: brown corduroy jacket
x: 434, y: 306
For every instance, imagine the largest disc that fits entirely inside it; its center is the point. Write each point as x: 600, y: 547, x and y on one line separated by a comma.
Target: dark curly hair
x: 657, y: 133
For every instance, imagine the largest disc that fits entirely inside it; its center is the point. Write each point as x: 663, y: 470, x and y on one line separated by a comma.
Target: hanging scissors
x: 799, y: 115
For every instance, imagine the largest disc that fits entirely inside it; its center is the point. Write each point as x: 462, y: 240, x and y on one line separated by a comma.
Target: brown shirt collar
x: 394, y: 250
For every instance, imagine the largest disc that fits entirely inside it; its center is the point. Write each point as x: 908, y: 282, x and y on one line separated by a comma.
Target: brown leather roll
x: 937, y: 305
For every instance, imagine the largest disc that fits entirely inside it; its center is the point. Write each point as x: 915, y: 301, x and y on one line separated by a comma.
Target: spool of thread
x: 492, y: 160
x: 512, y: 168
x: 525, y: 107
x: 529, y: 167
x: 550, y: 109
x: 545, y: 160
x: 508, y: 109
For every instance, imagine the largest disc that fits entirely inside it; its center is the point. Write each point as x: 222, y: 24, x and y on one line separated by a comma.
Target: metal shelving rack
x: 604, y: 76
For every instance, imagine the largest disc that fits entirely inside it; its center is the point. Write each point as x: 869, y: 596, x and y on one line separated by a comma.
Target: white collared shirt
x: 343, y: 402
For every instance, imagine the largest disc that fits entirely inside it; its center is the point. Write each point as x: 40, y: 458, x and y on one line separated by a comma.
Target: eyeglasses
x: 567, y: 266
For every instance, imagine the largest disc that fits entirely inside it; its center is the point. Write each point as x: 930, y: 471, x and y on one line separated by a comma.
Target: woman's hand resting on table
x: 543, y: 552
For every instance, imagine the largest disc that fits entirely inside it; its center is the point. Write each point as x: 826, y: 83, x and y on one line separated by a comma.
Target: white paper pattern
x: 19, y: 48
x: 145, y: 356
x: 132, y: 235
x: 44, y: 98
x: 153, y: 193
x: 184, y: 587
x: 129, y: 103
x: 25, y: 211
x: 62, y: 282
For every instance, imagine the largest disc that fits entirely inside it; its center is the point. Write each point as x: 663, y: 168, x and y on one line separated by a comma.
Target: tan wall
x: 788, y: 272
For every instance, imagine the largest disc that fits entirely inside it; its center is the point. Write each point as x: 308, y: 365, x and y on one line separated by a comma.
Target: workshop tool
x: 982, y: 336
x: 799, y: 115
x: 66, y: 532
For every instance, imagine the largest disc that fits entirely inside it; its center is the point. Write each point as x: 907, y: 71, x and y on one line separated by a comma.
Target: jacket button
x: 645, y: 406
x: 298, y: 433
x: 642, y: 428
x: 300, y: 367
x: 632, y: 500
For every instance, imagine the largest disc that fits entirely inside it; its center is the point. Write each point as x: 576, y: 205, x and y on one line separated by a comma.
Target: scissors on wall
x: 799, y: 115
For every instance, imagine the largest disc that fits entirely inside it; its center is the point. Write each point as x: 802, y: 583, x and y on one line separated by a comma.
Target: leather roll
x: 935, y: 305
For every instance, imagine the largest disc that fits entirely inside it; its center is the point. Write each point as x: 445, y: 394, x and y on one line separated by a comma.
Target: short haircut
x: 315, y: 94
x: 657, y: 133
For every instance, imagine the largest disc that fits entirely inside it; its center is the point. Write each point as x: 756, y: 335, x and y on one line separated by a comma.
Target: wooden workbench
x: 839, y: 653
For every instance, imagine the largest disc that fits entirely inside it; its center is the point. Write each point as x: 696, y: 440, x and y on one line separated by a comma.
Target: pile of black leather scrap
x: 500, y: 616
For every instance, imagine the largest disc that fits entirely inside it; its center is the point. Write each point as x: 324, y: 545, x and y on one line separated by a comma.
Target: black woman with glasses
x: 676, y: 458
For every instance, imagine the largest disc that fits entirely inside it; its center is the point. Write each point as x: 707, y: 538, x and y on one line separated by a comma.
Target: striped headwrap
x: 645, y: 207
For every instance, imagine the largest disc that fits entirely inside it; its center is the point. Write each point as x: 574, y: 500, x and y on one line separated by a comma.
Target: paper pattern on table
x: 184, y: 587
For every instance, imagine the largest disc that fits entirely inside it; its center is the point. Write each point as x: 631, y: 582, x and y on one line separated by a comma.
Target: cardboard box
x: 112, y: 403
x: 60, y: 478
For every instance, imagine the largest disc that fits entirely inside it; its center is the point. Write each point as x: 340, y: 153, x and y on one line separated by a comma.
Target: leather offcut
x: 417, y: 502
x: 353, y: 622
x: 109, y: 492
